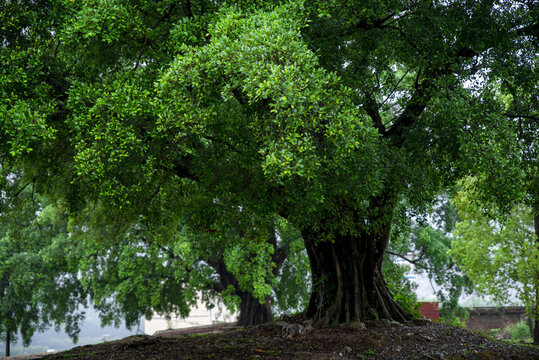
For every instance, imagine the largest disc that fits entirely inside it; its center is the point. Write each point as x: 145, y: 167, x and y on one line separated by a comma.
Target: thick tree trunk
x: 8, y: 341
x: 348, y: 284
x: 252, y: 312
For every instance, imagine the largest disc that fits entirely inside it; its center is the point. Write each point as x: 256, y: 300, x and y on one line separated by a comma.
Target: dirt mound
x: 267, y: 342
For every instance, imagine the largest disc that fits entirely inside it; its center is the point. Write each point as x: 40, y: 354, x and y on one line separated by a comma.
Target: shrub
x: 456, y: 322
x: 518, y: 331
x: 495, y: 333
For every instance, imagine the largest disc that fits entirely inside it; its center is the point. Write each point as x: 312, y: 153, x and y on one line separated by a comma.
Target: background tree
x: 500, y: 256
x: 325, y: 113
x: 423, y: 240
x: 293, y: 285
x: 133, y: 272
x: 39, y: 286
x: 516, y: 92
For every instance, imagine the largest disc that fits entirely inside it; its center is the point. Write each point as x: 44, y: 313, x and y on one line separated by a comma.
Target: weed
x: 519, y: 331
x: 458, y: 323
x: 269, y: 352
x: 366, y: 353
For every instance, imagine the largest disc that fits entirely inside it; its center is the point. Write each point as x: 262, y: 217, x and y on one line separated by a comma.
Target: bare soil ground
x: 267, y: 342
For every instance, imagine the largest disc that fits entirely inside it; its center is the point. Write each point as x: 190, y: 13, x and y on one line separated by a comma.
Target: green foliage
x: 494, y: 333
x: 401, y: 288
x: 39, y: 285
x: 223, y: 115
x: 251, y: 266
x: 259, y: 81
x: 519, y: 331
x: 449, y: 312
x: 425, y: 241
x: 498, y: 255
x: 454, y: 321
x: 292, y: 288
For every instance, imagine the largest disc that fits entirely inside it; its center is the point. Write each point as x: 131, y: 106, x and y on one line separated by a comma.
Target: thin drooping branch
x: 31, y: 182
x: 514, y: 116
x: 395, y: 87
x: 415, y: 262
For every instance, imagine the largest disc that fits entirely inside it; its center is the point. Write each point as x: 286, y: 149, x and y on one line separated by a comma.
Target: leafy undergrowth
x: 267, y: 342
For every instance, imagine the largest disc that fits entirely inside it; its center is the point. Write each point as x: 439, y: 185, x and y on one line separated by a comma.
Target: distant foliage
x: 39, y: 282
x: 424, y: 239
x: 519, y: 331
x: 499, y: 255
x: 401, y: 288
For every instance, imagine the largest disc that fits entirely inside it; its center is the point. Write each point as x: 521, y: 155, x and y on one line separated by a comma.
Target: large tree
x: 325, y: 113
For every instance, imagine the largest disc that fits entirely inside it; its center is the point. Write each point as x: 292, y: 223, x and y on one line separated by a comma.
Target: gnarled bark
x: 348, y: 284
x: 252, y: 312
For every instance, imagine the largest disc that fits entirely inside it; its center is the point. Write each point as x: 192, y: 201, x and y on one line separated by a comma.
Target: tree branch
x: 412, y: 111
x: 396, y: 85
x: 422, y: 95
x: 371, y: 108
x: 513, y: 116
x: 368, y: 24
x: 25, y: 186
x: 404, y: 257
x: 187, y: 9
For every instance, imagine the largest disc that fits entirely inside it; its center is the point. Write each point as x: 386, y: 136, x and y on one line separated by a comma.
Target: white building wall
x: 198, y: 316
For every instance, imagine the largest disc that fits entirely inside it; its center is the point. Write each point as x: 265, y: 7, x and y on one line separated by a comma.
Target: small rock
x: 347, y: 349
x: 292, y: 329
x: 356, y: 325
x: 308, y: 328
x: 422, y: 322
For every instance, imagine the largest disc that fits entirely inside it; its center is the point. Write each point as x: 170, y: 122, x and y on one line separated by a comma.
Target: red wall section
x: 430, y: 310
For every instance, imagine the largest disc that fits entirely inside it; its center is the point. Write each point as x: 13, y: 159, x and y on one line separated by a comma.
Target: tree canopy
x: 328, y: 114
